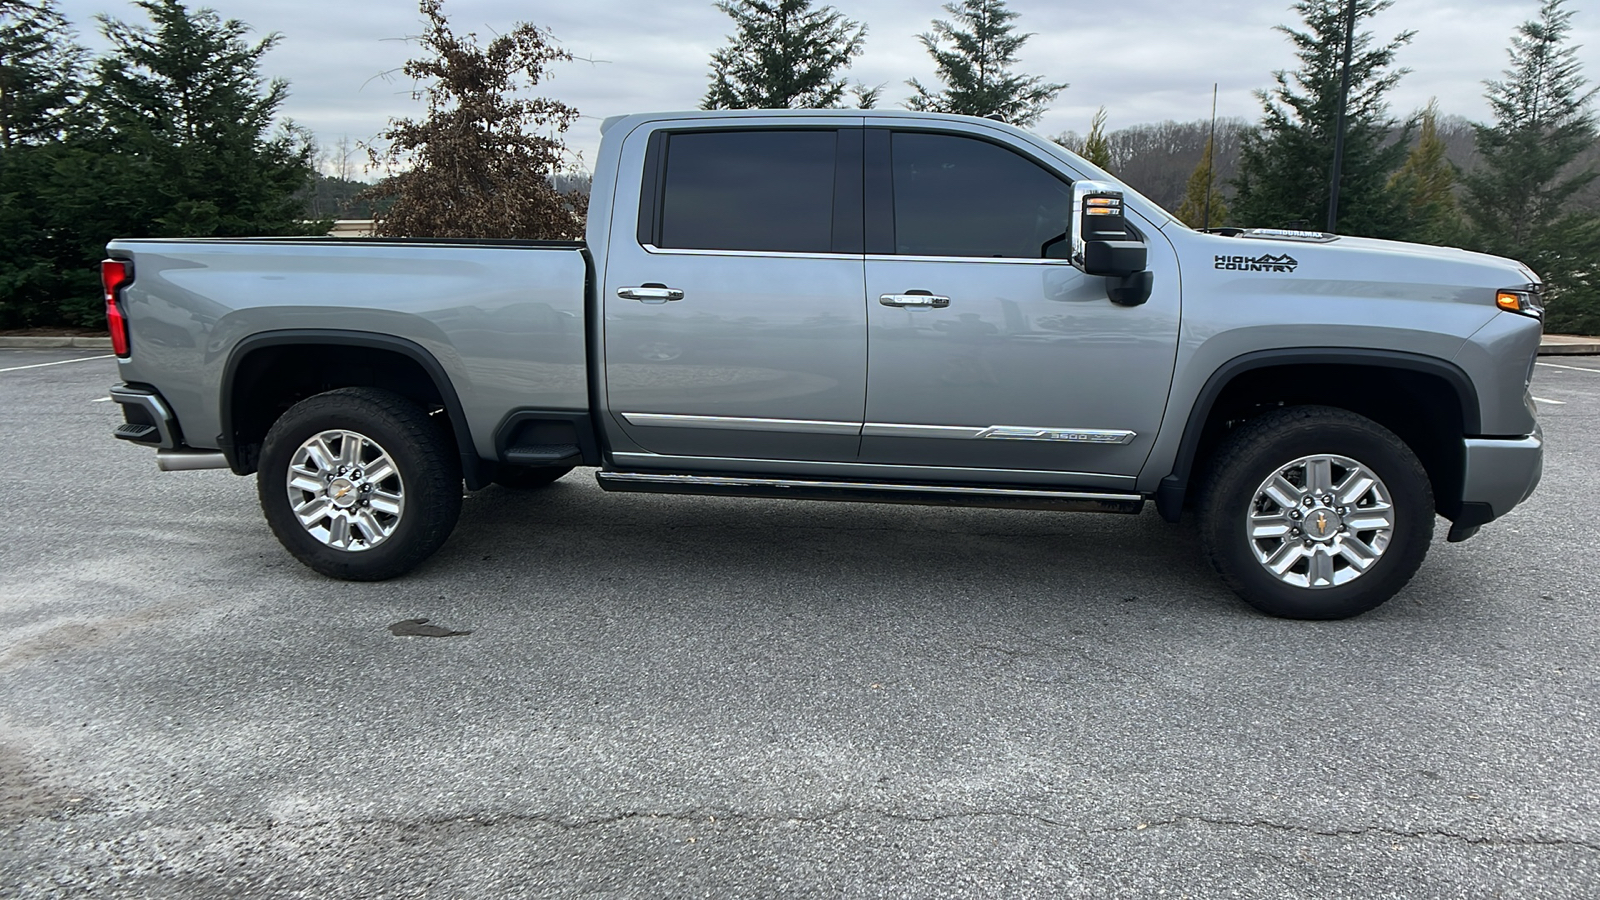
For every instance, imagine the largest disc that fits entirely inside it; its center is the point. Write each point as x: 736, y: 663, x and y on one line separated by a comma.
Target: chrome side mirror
x: 1104, y: 244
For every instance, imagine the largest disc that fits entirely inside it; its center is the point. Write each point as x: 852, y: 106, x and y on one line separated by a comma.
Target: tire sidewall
x: 424, y: 489
x: 1234, y: 491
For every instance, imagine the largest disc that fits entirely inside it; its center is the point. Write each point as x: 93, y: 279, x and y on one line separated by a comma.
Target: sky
x: 1144, y: 60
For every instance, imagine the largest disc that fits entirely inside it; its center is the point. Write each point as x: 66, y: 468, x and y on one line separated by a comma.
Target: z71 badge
x: 1266, y: 262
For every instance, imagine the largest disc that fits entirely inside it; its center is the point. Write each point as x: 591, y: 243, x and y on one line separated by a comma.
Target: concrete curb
x: 36, y: 342
x: 1569, y: 345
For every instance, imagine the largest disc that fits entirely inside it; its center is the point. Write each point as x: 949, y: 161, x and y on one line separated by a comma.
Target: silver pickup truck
x: 848, y: 305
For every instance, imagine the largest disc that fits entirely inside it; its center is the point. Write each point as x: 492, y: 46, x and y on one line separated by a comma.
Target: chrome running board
x: 869, y: 492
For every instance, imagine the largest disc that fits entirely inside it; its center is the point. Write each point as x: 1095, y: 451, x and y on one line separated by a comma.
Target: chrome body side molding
x: 739, y: 423
x: 877, y: 429
x: 1069, y: 435
x: 1002, y: 433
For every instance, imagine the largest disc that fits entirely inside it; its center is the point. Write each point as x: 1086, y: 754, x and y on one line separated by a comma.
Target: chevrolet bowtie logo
x: 1322, y: 524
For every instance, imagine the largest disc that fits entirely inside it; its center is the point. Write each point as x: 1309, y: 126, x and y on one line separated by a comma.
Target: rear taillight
x: 116, y: 274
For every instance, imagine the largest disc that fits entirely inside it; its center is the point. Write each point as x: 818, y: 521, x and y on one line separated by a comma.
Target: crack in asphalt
x: 1533, y: 841
x: 707, y: 816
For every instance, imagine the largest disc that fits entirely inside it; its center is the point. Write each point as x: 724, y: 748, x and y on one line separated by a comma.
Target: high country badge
x: 1266, y: 262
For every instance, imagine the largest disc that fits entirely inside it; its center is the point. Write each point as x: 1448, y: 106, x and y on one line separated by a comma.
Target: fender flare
x: 1172, y: 489
x: 472, y: 468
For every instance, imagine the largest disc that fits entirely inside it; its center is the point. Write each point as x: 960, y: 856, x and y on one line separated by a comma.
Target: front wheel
x: 1315, y: 513
x: 359, y: 484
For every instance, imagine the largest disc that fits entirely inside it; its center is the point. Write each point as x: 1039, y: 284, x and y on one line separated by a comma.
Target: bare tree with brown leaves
x: 480, y: 164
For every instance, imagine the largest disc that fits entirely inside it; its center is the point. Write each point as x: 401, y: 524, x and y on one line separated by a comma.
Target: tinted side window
x: 959, y: 196
x: 749, y: 190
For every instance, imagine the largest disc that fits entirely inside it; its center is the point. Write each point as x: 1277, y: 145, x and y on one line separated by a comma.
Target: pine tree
x: 41, y: 72
x: 784, y: 55
x: 1096, y: 148
x: 1285, y: 164
x: 183, y: 103
x: 866, y: 97
x: 41, y: 69
x: 1426, y: 187
x: 1201, y: 191
x: 1518, y: 200
x: 477, y: 166
x: 976, y: 70
x: 1542, y: 122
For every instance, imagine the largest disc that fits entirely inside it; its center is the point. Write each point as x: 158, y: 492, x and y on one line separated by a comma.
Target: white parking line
x: 1551, y: 365
x: 108, y: 400
x: 59, y: 362
x: 1536, y: 400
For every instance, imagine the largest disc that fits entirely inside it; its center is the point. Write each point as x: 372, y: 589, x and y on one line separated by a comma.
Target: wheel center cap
x: 343, y: 493
x: 1322, y: 523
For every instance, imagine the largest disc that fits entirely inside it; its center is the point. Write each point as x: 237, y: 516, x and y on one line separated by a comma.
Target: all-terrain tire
x: 1356, y: 562
x: 390, y: 483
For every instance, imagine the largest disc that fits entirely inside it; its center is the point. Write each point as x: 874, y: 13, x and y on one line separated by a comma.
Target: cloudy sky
x: 1145, y: 60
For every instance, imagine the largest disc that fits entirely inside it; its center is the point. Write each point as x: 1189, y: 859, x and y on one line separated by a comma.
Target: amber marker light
x: 1521, y: 302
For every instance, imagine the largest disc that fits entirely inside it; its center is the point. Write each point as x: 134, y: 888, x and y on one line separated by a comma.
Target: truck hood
x: 1466, y: 258
x: 1282, y: 257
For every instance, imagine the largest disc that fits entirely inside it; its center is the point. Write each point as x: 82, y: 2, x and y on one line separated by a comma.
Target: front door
x: 985, y: 353
x: 735, y: 324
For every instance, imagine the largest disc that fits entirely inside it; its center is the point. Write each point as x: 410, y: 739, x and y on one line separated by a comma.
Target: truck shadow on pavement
x: 574, y: 530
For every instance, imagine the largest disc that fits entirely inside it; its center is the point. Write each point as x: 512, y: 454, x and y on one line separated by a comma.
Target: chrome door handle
x: 915, y: 301
x: 650, y: 293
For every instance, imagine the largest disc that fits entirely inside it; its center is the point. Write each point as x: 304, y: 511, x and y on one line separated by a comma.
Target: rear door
x: 735, y: 321
x: 986, y: 350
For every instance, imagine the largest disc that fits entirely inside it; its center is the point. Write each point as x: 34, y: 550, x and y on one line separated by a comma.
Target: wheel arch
x: 1284, y: 376
x: 366, y: 359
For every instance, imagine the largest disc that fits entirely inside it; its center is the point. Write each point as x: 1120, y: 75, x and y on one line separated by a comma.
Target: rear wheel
x: 1316, y: 513
x: 359, y: 484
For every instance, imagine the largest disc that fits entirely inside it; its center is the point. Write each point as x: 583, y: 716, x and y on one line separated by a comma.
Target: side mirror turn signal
x: 1103, y: 243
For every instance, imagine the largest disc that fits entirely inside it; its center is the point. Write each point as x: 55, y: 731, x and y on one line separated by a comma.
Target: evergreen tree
x: 1542, y: 122
x: 1518, y: 200
x: 183, y: 103
x: 1201, y: 191
x: 477, y: 166
x: 1285, y: 164
x: 40, y: 81
x: 866, y: 97
x: 784, y: 55
x: 1096, y: 148
x: 976, y: 70
x: 41, y: 69
x: 1426, y: 187
x: 176, y: 137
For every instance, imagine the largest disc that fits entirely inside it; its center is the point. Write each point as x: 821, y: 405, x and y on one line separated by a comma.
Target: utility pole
x: 1211, y: 159
x: 1338, y: 128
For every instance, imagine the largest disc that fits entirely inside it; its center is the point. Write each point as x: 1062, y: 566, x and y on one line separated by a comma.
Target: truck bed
x: 504, y: 319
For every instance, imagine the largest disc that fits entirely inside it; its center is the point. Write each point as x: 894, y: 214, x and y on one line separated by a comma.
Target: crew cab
x: 853, y: 305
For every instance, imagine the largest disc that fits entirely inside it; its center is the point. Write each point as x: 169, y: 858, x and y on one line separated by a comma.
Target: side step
x: 143, y: 434
x: 868, y: 492
x: 544, y: 455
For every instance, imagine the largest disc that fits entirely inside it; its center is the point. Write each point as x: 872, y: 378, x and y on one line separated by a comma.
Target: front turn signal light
x: 1525, y: 301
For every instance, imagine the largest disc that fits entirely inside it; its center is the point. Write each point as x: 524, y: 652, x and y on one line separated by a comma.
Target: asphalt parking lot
x: 736, y: 698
